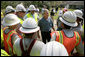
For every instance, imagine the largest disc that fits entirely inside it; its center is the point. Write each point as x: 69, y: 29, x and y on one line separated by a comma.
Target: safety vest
x: 69, y: 43
x: 2, y: 39
x: 7, y: 40
x: 35, y: 16
x: 2, y: 15
x: 21, y: 21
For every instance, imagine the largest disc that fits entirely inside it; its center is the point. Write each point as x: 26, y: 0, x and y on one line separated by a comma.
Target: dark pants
x: 46, y: 36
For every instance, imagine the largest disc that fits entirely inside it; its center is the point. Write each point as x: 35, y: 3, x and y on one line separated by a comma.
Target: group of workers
x: 22, y: 29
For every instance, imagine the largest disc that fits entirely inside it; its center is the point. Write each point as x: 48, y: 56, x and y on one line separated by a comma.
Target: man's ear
x: 62, y: 25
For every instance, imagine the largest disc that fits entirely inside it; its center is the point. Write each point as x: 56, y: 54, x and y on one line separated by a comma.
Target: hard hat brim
x: 23, y: 30
x: 81, y: 17
x: 68, y: 23
x: 5, y: 24
x: 32, y: 10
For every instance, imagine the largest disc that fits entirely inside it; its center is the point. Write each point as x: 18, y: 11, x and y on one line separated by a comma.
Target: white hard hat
x: 10, y: 19
x: 32, y: 7
x: 69, y: 18
x: 29, y: 26
x: 54, y: 48
x: 9, y: 9
x: 20, y: 7
x: 79, y: 13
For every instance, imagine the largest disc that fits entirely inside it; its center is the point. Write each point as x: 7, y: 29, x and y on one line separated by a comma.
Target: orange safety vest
x: 69, y: 43
x: 7, y: 40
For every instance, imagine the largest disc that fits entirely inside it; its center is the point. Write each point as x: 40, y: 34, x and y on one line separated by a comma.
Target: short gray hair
x: 44, y: 11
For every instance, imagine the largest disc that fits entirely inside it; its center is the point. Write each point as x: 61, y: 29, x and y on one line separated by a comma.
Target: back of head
x: 54, y: 48
x: 20, y: 7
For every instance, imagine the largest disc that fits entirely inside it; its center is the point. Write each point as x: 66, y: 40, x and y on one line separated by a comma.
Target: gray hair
x: 44, y: 11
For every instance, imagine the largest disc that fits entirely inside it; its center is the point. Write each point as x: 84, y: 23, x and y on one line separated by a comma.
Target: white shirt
x: 35, y: 51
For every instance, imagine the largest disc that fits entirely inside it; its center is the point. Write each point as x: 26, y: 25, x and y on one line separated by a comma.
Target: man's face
x: 32, y: 11
x: 46, y: 14
x: 14, y: 26
x: 21, y: 14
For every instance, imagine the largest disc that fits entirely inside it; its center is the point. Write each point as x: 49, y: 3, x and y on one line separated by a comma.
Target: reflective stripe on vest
x: 21, y: 21
x: 9, y: 43
x: 77, y: 38
x: 60, y: 37
x: 1, y: 33
x: 53, y: 35
x: 35, y: 16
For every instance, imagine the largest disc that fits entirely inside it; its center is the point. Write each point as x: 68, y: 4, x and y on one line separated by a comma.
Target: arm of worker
x: 80, y: 49
x: 38, y: 34
x: 14, y: 37
x: 17, y: 29
x: 52, y: 25
x: 39, y: 24
x: 16, y: 45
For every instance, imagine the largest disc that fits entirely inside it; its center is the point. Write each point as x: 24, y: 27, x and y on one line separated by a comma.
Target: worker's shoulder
x: 6, y: 31
x: 40, y: 43
x: 42, y: 19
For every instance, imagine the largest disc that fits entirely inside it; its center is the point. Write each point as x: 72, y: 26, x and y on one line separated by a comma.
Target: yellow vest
x: 35, y: 16
x: 21, y: 21
x: 2, y: 15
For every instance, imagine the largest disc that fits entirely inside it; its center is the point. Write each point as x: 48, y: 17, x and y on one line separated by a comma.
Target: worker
x: 69, y: 38
x: 32, y: 13
x: 54, y: 48
x: 20, y: 12
x: 80, y: 21
x: 9, y: 9
x: 29, y: 45
x: 46, y: 24
x: 10, y: 21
